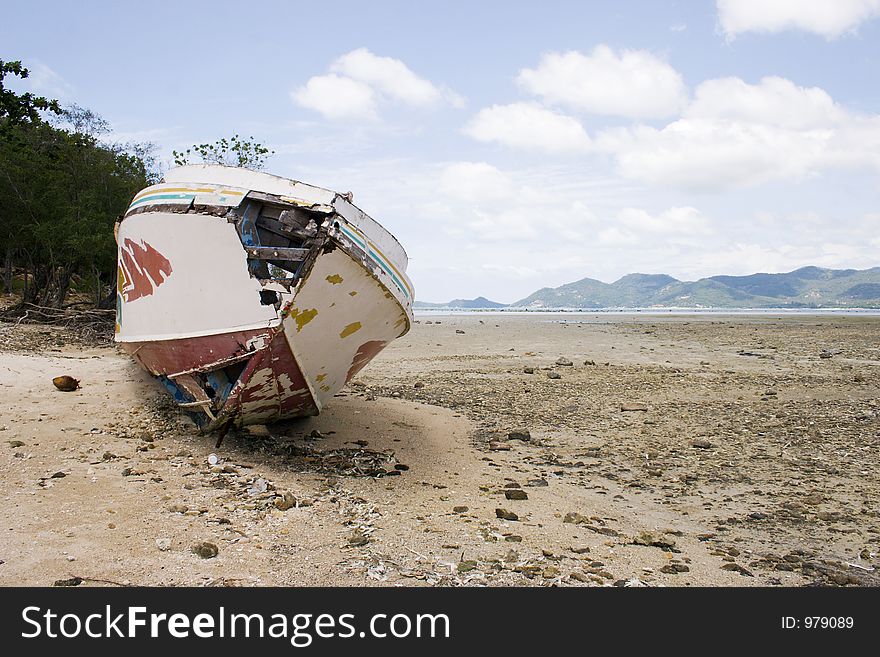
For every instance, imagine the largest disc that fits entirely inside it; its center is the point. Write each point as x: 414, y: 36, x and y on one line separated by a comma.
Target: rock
x: 580, y: 550
x: 580, y: 577
x: 515, y: 494
x: 519, y: 434
x: 418, y: 384
x: 575, y: 518
x: 358, y: 538
x: 528, y: 370
x: 466, y: 566
x: 73, y: 581
x: 178, y: 508
x: 504, y: 514
x: 674, y: 568
x: 459, y: 331
x: 16, y: 443
x: 497, y: 446
x: 553, y: 375
x: 164, y: 544
x: 513, y: 538
x: 459, y: 509
x: 564, y: 362
x: 537, y: 483
x: 825, y: 354
x: 551, y: 572
x: 652, y: 539
x: 590, y: 363
x: 633, y: 406
x: 65, y: 383
x: 260, y: 486
x: 205, y: 550
x: 285, y: 502
x: 701, y: 443
x: 735, y: 567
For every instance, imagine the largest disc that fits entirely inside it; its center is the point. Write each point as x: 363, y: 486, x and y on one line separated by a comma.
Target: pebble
x: 515, y: 494
x: 553, y: 375
x: 164, y: 544
x: 285, y: 502
x: 674, y: 568
x: 564, y: 362
x: 519, y: 434
x: 205, y: 550
x: 504, y: 514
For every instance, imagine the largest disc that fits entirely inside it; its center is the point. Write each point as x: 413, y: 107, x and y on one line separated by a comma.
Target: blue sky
x: 512, y: 146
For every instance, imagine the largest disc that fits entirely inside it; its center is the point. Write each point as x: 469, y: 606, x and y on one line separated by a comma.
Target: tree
x: 234, y: 152
x: 16, y: 109
x: 61, y: 190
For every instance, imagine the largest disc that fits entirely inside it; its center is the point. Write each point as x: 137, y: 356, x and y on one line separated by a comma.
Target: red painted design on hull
x: 144, y: 267
x: 365, y: 353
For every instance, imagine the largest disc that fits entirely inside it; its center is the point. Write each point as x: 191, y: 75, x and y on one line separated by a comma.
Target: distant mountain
x: 808, y: 287
x: 479, y: 302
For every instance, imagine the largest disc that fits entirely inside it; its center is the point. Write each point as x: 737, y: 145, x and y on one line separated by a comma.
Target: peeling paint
x: 335, y: 279
x: 354, y: 327
x: 363, y: 356
x: 303, y: 318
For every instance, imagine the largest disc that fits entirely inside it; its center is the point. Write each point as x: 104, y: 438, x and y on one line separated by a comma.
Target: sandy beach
x: 479, y: 449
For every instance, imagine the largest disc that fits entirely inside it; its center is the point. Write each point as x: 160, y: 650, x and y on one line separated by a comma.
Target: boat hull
x: 235, y: 349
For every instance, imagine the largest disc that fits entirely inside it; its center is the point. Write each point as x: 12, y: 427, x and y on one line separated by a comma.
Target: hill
x: 808, y: 287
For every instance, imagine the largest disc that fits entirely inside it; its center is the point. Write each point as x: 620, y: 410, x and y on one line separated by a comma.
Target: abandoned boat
x: 255, y: 298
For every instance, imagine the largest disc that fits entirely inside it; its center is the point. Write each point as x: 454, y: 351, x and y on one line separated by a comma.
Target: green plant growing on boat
x: 234, y: 152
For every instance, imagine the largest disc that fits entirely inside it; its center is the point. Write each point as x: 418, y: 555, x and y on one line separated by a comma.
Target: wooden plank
x: 276, y: 253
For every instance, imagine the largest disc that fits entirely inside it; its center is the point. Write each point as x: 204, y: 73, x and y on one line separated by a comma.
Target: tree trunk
x: 7, y: 271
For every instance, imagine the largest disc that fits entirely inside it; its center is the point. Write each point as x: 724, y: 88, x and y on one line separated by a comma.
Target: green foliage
x: 234, y: 152
x: 61, y: 191
x: 17, y: 109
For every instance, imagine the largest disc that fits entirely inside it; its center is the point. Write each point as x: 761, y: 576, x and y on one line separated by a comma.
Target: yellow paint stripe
x: 197, y: 190
x: 402, y: 277
x: 391, y: 264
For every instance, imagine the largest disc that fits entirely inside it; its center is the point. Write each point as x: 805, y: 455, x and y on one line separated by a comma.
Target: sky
x: 511, y: 145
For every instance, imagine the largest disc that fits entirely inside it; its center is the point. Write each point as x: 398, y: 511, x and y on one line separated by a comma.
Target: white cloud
x: 475, y: 181
x: 634, y: 83
x: 530, y: 127
x: 360, y: 81
x: 393, y: 78
x: 735, y: 134
x: 829, y: 18
x: 44, y: 81
x: 337, y: 97
x: 774, y: 101
x: 685, y: 220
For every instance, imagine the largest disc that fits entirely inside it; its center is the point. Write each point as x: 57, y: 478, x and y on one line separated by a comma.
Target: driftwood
x: 89, y: 324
